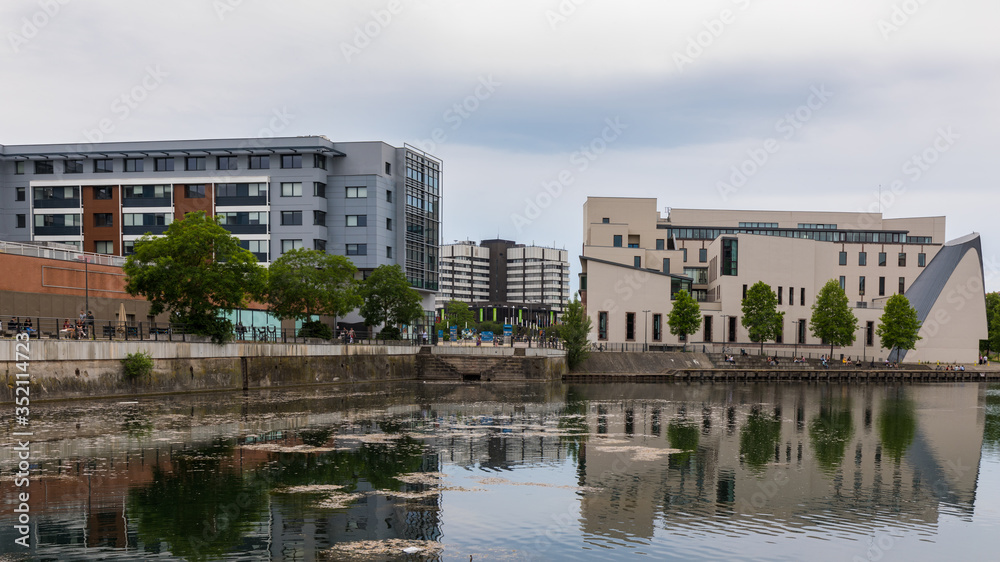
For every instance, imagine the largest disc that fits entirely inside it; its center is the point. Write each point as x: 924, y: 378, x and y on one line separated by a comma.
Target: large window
x: 630, y: 326
x: 319, y: 189
x: 657, y: 327
x: 241, y: 190
x: 921, y: 259
x: 902, y: 259
x: 291, y: 189
x: 703, y: 255
x: 133, y: 165
x: 319, y: 161
x: 165, y: 164
x: 56, y: 193
x: 225, y: 163
x: 19, y: 168
x: 602, y: 325
x: 617, y: 243
x: 291, y: 218
x: 287, y: 245
x: 881, y: 259
x: 260, y: 162
x: 862, y: 258
x: 43, y: 167
x: 146, y: 219
x: 103, y: 166
x: 357, y: 249
x: 195, y: 191
x: 319, y: 218
x: 74, y: 166
x: 102, y: 192
x: 319, y: 244
x: 103, y: 219
x: 291, y: 160
x: 147, y: 191
x: 57, y: 220
x: 104, y: 247
x: 730, y: 256
x: 194, y: 163
x: 357, y: 220
x: 237, y: 218
x: 357, y: 192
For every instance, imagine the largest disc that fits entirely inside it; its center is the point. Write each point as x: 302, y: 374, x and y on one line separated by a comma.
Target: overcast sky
x: 535, y: 105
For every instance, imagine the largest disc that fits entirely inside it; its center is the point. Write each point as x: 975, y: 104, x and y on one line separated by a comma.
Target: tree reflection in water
x: 830, y: 431
x: 991, y: 431
x: 759, y: 438
x: 682, y: 434
x: 897, y: 424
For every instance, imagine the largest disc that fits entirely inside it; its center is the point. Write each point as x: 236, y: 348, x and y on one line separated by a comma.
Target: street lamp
x: 86, y: 281
x: 725, y: 330
x: 645, y: 329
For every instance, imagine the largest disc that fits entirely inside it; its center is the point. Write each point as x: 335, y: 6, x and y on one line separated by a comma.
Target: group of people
x: 16, y: 325
x: 347, y: 336
x: 83, y: 328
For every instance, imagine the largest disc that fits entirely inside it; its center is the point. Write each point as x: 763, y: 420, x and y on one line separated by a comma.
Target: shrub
x: 315, y: 329
x: 390, y: 333
x: 137, y: 365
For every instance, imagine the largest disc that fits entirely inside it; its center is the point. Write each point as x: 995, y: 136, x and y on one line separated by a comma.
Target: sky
x: 535, y: 105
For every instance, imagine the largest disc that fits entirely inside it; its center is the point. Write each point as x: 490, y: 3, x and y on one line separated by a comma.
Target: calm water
x: 519, y: 472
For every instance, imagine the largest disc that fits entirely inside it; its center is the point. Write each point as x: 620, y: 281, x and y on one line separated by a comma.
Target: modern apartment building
x: 375, y: 203
x: 635, y: 259
x: 505, y: 279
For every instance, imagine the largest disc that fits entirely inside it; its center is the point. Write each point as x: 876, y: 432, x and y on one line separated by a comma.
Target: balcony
x: 72, y: 203
x: 241, y: 201
x: 246, y: 228
x: 57, y: 231
x: 153, y: 229
x: 146, y: 202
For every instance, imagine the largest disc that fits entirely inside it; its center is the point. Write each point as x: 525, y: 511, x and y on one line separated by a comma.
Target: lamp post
x: 86, y: 281
x: 725, y: 330
x: 645, y: 329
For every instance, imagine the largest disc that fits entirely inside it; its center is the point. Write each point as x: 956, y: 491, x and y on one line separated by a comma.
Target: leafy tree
x: 992, y: 343
x: 898, y: 326
x: 388, y: 298
x: 457, y: 313
x: 685, y: 316
x: 195, y: 271
x: 832, y: 319
x: 304, y: 283
x: 760, y: 314
x: 575, y: 329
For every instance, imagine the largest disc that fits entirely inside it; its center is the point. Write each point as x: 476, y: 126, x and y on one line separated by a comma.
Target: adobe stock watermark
x: 124, y: 104
x: 370, y: 30
x: 581, y: 160
x: 899, y: 16
x: 31, y: 26
x: 564, y: 10
x: 698, y: 43
x: 459, y: 112
x: 787, y: 126
x: 913, y: 168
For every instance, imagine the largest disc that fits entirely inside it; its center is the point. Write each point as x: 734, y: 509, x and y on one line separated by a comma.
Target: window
x: 287, y: 245
x: 843, y: 283
x: 241, y: 190
x: 146, y: 219
x: 843, y: 258
x: 319, y: 161
x: 791, y: 296
x: 291, y: 189
x: 21, y: 221
x: 703, y: 255
x: 388, y: 252
x: 862, y: 258
x: 870, y: 334
x: 103, y: 219
x: 291, y: 160
x: 243, y: 218
x: 606, y: 220
x: 388, y: 224
x: 43, y: 167
x: 103, y: 166
x: 319, y: 189
x: 195, y: 191
x: 666, y: 265
x: 102, y: 192
x: 637, y: 261
x: 602, y: 325
x: 802, y: 296
x: 163, y: 164
x: 881, y: 286
x: 921, y: 259
x: 730, y: 256
x: 319, y: 244
x: 902, y: 285
x: 657, y: 327
x: 630, y: 326
x: 194, y: 163
x: 19, y: 167
x: 143, y: 191
x: 104, y: 247
x: 291, y: 218
x: 659, y: 243
x: 357, y: 249
x: 388, y: 169
x: 861, y: 285
x: 260, y: 162
x: 902, y: 259
x: 225, y: 163
x: 685, y: 254
x: 388, y: 196
x: 357, y: 220
x: 56, y: 193
x: 357, y: 192
x: 319, y: 218
x: 133, y: 165
x: 744, y: 292
x: 881, y: 259
x: 781, y: 291
x: 74, y: 167
x: 617, y: 241
x: 19, y: 193
x: 128, y: 247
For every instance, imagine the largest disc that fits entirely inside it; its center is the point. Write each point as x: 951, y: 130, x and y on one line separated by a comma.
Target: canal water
x: 421, y: 471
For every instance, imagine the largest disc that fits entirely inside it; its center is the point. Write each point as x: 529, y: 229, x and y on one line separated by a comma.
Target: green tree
x: 832, y: 319
x: 685, y: 316
x: 305, y: 283
x: 992, y: 343
x: 457, y: 313
x: 760, y: 314
x: 195, y: 271
x: 898, y: 327
x: 575, y: 329
x: 388, y: 299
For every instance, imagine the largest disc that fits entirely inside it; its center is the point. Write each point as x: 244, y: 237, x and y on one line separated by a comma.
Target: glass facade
x: 423, y: 219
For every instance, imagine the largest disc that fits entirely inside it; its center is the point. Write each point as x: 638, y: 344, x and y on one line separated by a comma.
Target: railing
x: 36, y: 251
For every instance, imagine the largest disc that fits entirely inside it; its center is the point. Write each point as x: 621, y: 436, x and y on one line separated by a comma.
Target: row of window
x: 191, y: 191
x: 730, y: 336
x: 791, y: 295
x: 852, y: 236
x: 901, y: 259
x: 167, y: 164
x: 881, y: 285
x: 288, y: 218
